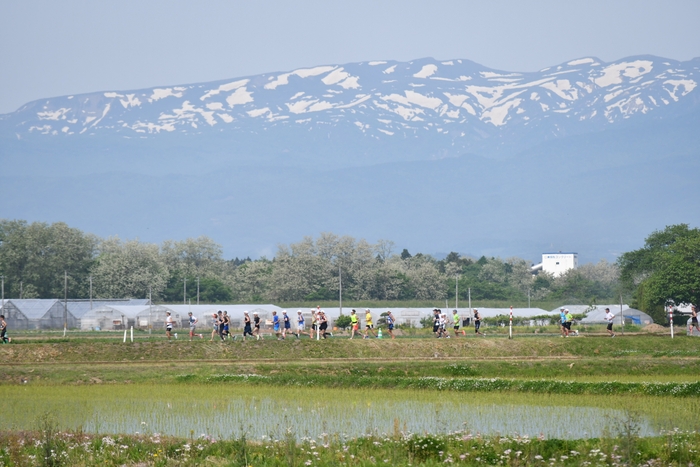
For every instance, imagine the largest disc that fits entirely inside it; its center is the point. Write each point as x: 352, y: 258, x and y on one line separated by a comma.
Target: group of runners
x: 282, y: 325
x: 369, y: 325
x: 566, y: 319
x: 440, y: 324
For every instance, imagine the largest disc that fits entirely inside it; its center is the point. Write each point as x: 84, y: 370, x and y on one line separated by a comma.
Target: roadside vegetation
x: 620, y: 446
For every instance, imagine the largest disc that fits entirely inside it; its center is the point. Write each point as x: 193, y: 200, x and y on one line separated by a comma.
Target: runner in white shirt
x: 609, y: 318
x: 168, y: 324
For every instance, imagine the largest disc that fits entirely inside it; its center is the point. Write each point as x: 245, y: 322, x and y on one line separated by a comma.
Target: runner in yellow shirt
x: 369, y: 327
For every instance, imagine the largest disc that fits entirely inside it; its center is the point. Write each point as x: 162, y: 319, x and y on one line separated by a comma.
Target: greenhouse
x: 204, y: 312
x: 110, y: 317
x: 80, y: 307
x: 38, y: 314
x: 631, y: 316
x: 154, y: 316
x: 14, y: 317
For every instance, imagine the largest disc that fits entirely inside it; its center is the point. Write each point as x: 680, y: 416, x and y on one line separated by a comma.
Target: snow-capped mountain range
x: 456, y: 99
x: 584, y: 156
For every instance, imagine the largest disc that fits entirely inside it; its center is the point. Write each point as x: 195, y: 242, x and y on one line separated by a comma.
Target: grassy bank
x: 87, y: 350
x: 622, y: 447
x: 541, y: 386
x: 344, y: 371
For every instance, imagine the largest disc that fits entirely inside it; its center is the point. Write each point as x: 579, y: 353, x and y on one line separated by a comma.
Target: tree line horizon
x: 34, y: 257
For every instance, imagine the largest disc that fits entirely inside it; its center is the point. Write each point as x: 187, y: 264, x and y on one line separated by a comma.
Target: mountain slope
x: 447, y: 108
x: 437, y: 156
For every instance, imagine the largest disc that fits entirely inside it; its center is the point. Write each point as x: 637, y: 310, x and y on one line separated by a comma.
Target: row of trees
x: 33, y: 258
x: 666, y: 271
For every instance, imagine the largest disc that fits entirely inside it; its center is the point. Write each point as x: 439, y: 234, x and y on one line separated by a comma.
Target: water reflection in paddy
x: 230, y: 410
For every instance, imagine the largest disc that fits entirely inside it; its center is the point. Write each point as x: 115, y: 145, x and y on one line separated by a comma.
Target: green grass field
x: 646, y: 377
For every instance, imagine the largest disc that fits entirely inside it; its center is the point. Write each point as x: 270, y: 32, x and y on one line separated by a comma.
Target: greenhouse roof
x: 579, y: 309
x: 34, y: 308
x: 79, y: 307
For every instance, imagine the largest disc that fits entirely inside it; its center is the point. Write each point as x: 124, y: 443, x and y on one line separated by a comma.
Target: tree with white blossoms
x: 126, y: 269
x: 427, y: 282
x: 519, y: 275
x: 34, y: 256
x: 251, y: 280
x: 194, y: 257
x: 299, y: 271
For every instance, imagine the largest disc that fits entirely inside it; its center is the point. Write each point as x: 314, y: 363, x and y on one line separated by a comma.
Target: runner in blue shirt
x: 300, y: 324
x: 276, y: 325
x: 562, y: 322
x: 390, y: 323
x: 287, y: 324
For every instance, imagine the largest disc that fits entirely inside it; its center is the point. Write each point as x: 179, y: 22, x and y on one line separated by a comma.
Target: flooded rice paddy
x: 231, y: 410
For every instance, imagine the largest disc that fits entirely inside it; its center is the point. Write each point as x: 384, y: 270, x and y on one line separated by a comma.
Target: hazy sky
x: 50, y: 48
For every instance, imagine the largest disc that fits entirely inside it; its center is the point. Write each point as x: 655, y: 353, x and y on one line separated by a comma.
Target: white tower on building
x: 557, y: 263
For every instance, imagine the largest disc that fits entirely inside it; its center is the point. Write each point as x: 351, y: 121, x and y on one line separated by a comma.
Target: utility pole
x: 150, y: 314
x: 622, y: 316
x: 197, y: 290
x: 91, y: 292
x: 3, y: 293
x: 528, y: 298
x: 21, y: 289
x: 469, y: 295
x: 340, y: 289
x: 457, y: 291
x: 184, y: 292
x: 65, y: 302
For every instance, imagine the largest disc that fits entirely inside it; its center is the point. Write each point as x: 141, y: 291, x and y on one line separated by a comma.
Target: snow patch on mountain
x: 581, y: 61
x: 225, y: 88
x: 162, y: 93
x: 614, y: 74
x: 239, y: 97
x: 283, y: 79
x: 427, y: 70
x: 53, y: 114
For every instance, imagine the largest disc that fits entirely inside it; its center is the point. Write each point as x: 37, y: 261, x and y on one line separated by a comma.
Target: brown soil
x: 654, y: 328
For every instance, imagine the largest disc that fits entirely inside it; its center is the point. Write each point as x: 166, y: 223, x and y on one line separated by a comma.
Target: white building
x: 557, y: 263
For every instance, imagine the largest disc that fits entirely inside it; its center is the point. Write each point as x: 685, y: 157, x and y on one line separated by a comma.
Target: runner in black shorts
x: 323, y: 324
x: 693, y: 319
x: 168, y: 325
x: 477, y: 322
x: 222, y: 325
x: 456, y: 320
x: 609, y: 318
x: 247, y: 330
x: 256, y: 321
x: 390, y: 323
x: 314, y: 322
x: 436, y: 322
x: 227, y: 324
x: 287, y: 328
